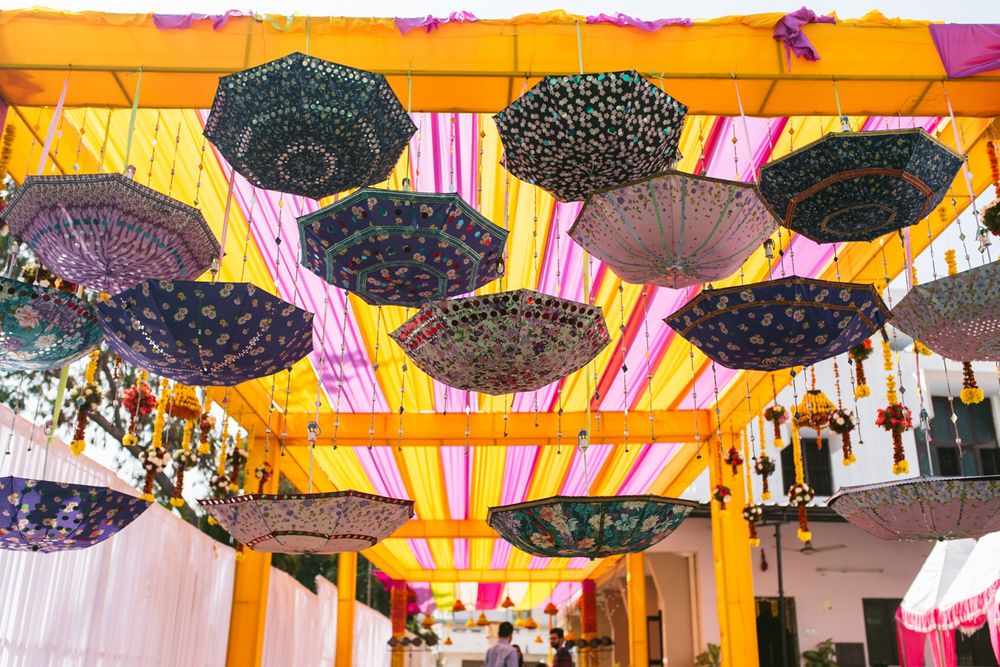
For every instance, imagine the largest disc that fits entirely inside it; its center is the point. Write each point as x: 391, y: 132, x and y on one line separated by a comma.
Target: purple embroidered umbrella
x: 501, y: 343
x: 675, y: 229
x: 402, y: 248
x: 310, y: 523
x: 109, y: 233
x: 925, y: 508
x: 202, y: 334
x: 42, y: 328
x: 37, y: 515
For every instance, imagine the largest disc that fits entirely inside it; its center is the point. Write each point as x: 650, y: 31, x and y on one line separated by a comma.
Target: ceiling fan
x: 808, y: 549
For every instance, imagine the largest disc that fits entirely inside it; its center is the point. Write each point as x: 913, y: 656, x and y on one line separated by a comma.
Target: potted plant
x: 824, y: 655
x: 710, y: 657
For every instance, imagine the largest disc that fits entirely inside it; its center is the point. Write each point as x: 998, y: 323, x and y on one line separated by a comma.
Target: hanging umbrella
x: 502, y: 343
x: 675, y: 229
x: 307, y: 126
x: 780, y: 323
x: 957, y: 316
x: 575, y: 135
x: 402, y: 248
x: 43, y: 328
x: 205, y: 333
x: 588, y: 526
x: 925, y: 508
x: 109, y: 233
x: 309, y: 523
x: 37, y: 515
x: 857, y: 186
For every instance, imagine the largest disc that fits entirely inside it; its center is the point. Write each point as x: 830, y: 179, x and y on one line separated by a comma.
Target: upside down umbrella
x: 780, y: 323
x: 502, y: 343
x: 109, y: 233
x: 38, y: 515
x: 574, y: 135
x: 925, y: 508
x: 402, y: 248
x: 674, y: 229
x: 309, y: 523
x: 200, y: 333
x: 43, y: 328
x: 857, y: 186
x: 307, y: 126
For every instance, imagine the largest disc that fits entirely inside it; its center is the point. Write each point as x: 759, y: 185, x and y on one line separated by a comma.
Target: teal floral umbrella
x: 857, y: 186
x: 43, y: 328
x: 589, y: 526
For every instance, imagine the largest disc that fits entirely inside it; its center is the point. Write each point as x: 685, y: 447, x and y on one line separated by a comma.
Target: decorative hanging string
x: 313, y: 426
x: 649, y: 373
x: 967, y: 175
x: 131, y: 121
x: 173, y: 163
x: 201, y: 171
x: 340, y: 369
x: 79, y: 144
x: 402, y: 395
x: 845, y: 123
x: 378, y: 330
x: 468, y: 410
x: 763, y: 465
x: 152, y: 149
x: 246, y: 238
x: 694, y: 399
x: 752, y: 512
x: 104, y: 144
x: 14, y: 412
x: 584, y: 436
x: 621, y: 328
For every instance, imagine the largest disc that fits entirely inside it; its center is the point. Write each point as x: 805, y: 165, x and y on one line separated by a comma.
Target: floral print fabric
x: 109, y: 233
x: 593, y: 527
x: 956, y: 316
x: 402, y: 248
x: 36, y: 515
x: 575, y: 135
x: 43, y: 328
x: 502, y: 343
x: 857, y: 186
x: 928, y: 508
x: 675, y: 229
x: 780, y: 323
x: 307, y: 126
x: 310, y: 523
x: 205, y: 333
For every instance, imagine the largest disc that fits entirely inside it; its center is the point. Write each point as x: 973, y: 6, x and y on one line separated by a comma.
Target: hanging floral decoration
x: 551, y: 609
x: 205, y: 426
x: 139, y: 401
x: 457, y: 606
x: 857, y: 355
x: 753, y: 515
x: 991, y: 214
x: 183, y: 459
x: 86, y: 397
x: 814, y: 409
x: 263, y: 474
x: 155, y: 457
x: 800, y: 495
x: 183, y: 403
x: 842, y: 421
x: 895, y: 418
x: 777, y: 415
x: 237, y: 460
x: 733, y: 459
x: 971, y: 393
x: 721, y: 494
x: 764, y: 466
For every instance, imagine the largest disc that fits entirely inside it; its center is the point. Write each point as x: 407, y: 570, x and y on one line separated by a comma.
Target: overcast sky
x: 957, y: 11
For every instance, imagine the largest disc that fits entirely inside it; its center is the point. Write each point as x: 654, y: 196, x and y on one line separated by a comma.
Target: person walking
x: 502, y: 653
x: 561, y: 655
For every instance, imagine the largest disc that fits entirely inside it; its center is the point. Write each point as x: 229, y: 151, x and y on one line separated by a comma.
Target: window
x: 816, y: 466
x: 880, y: 631
x: 980, y: 455
x: 975, y: 650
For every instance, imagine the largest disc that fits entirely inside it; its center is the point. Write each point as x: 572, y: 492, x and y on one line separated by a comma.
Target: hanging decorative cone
x: 427, y: 622
x: 814, y: 411
x: 470, y: 623
x: 734, y: 460
x: 971, y: 393
x: 843, y: 422
x: 857, y: 356
x: 458, y: 606
x: 921, y: 349
x: 530, y: 623
x: 507, y: 603
x: 537, y: 639
x: 482, y: 621
x: 764, y: 466
x: 183, y: 402
x: 753, y: 514
x: 777, y: 415
x: 551, y: 609
x: 447, y: 641
x: 519, y: 622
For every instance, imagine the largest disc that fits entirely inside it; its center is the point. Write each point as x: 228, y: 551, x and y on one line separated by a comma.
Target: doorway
x: 769, y: 633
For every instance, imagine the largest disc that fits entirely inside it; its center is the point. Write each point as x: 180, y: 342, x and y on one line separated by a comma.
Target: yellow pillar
x: 347, y: 585
x: 733, y: 566
x: 635, y: 589
x: 398, y: 601
x: 253, y: 574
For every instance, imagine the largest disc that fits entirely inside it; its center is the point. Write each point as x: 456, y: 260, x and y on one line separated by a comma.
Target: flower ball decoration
x: 897, y: 419
x: 153, y: 460
x: 857, y: 355
x: 777, y: 415
x: 800, y: 495
x: 764, y: 466
x: 753, y: 513
x: 842, y: 422
x: 138, y: 401
x: 721, y: 494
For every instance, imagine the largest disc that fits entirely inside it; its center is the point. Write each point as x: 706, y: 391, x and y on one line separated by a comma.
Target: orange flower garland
x: 86, y: 397
x: 991, y: 214
x: 895, y: 418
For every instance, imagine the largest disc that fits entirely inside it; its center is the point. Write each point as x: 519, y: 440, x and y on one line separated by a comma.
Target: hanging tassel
x: 857, y: 355
x: 721, y: 494
x: 843, y: 422
x: 777, y: 415
x: 734, y: 460
x: 206, y: 426
x: 804, y: 534
x: 139, y: 402
x: 895, y: 418
x: 971, y: 393
x: 753, y: 513
x: 87, y: 397
x: 764, y: 466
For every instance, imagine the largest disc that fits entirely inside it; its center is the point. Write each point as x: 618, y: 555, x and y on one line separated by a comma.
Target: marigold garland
x: 842, y: 421
x: 86, y: 397
x: 183, y: 403
x: 183, y: 459
x: 895, y: 418
x: 753, y: 514
x: 237, y: 459
x: 857, y: 356
x: 139, y: 401
x: 206, y: 425
x: 800, y: 494
x: 971, y: 393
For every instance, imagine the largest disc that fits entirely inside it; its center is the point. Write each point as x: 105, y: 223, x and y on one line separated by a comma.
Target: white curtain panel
x: 293, y: 629
x: 156, y: 594
x: 371, y: 631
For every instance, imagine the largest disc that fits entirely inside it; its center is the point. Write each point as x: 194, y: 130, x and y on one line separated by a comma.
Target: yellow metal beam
x: 635, y: 591
x: 494, y: 576
x: 250, y: 586
x: 347, y: 583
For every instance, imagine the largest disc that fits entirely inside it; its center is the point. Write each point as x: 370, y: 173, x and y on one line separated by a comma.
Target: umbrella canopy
x: 957, y: 316
x: 307, y: 126
x: 589, y: 526
x: 925, y: 508
x: 205, y: 333
x: 973, y: 593
x: 109, y: 233
x: 857, y: 186
x: 402, y: 248
x: 575, y: 135
x: 780, y: 323
x: 675, y: 229
x: 37, y: 515
x: 43, y: 328
x: 501, y: 343
x: 310, y: 523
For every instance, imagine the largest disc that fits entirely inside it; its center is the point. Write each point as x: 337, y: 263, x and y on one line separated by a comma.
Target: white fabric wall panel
x: 292, y: 631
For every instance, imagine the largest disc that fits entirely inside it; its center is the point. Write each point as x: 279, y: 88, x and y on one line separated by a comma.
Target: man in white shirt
x: 502, y: 654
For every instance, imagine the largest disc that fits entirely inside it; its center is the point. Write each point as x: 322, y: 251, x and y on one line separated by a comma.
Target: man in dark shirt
x: 561, y: 655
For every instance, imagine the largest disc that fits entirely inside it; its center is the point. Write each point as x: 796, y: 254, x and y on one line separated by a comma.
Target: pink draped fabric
x: 911, y: 646
x: 184, y: 21
x: 788, y: 31
x: 993, y: 621
x: 488, y: 596
x: 967, y: 49
x: 430, y: 23
x: 623, y: 20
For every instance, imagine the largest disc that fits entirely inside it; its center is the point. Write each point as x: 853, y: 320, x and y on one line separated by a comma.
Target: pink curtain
x: 967, y: 49
x: 911, y: 645
x: 993, y: 623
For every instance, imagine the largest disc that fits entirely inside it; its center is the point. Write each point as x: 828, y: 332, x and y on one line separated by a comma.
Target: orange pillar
x: 398, y: 601
x: 347, y: 588
x: 588, y: 620
x: 635, y: 589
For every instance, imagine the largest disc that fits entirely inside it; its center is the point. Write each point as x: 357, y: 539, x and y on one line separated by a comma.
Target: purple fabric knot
x: 967, y: 49
x: 788, y: 30
x: 430, y: 23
